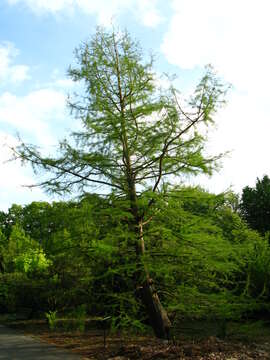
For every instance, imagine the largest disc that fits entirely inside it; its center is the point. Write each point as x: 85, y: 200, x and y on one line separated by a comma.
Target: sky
x: 37, y: 42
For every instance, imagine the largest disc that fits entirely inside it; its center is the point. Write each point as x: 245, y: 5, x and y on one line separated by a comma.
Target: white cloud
x: 147, y: 12
x: 64, y: 83
x: 242, y: 129
x: 38, y: 117
x: 13, y: 176
x: 44, y: 5
x: 8, y: 71
x: 233, y: 36
x: 35, y: 114
x: 105, y: 10
x: 10, y: 176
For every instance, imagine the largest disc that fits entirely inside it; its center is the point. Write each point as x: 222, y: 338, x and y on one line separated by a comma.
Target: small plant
x: 51, y: 317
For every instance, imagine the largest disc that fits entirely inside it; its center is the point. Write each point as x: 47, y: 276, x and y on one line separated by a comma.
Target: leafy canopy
x: 134, y: 135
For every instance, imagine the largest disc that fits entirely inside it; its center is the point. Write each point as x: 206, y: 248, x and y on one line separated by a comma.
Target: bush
x: 51, y: 317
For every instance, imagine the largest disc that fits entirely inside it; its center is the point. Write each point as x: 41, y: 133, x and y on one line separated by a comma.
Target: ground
x: 251, y: 342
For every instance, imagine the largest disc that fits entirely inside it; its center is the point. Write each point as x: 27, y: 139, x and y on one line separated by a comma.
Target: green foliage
x: 255, y: 205
x: 13, y: 291
x: 23, y: 254
x: 207, y: 261
x: 135, y: 135
x: 250, y: 330
x: 3, y: 245
x: 204, y: 259
x: 11, y: 218
x: 258, y: 269
x: 52, y: 319
x: 79, y: 315
x: 31, y: 261
x: 7, y: 298
x: 128, y: 324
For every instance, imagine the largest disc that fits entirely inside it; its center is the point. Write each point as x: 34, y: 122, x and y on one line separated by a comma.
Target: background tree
x: 255, y: 205
x: 133, y: 139
x: 12, y: 217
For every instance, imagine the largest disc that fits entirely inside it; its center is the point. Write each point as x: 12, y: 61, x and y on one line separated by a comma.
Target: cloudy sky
x: 37, y: 40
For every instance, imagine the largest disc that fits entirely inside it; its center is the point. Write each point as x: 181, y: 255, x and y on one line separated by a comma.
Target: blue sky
x: 37, y: 40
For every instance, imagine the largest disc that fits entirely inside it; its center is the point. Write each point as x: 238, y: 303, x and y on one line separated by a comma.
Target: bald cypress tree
x: 134, y: 138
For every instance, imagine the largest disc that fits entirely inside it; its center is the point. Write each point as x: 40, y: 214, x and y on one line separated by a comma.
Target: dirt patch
x: 91, y: 345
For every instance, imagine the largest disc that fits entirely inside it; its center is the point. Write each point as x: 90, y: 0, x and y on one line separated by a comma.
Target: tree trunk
x: 157, y: 314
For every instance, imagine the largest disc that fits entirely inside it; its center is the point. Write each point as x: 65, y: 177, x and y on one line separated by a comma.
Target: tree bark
x: 158, y: 317
x: 157, y: 314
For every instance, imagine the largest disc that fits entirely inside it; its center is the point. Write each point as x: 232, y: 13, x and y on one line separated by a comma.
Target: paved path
x: 15, y: 346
